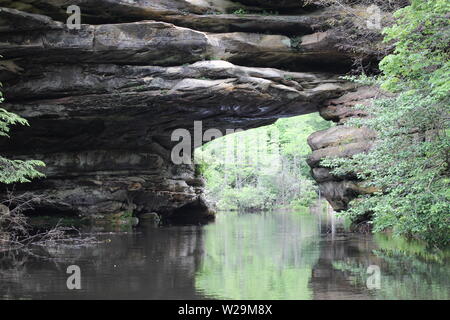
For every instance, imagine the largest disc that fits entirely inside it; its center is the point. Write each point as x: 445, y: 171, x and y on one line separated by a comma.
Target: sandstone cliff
x: 341, y: 141
x: 103, y: 100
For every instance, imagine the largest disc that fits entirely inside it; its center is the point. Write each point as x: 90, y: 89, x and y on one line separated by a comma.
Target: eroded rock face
x: 341, y: 141
x: 103, y: 101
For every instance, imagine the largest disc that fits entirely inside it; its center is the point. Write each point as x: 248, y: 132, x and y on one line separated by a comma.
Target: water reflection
x: 259, y: 256
x: 153, y: 263
x: 279, y: 255
x: 409, y: 270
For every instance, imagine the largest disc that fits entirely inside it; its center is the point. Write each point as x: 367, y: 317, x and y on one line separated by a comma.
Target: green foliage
x: 18, y: 170
x: 409, y: 163
x: 240, y: 11
x: 246, y: 198
x: 15, y: 170
x: 268, y: 168
x: 421, y: 55
x: 7, y: 119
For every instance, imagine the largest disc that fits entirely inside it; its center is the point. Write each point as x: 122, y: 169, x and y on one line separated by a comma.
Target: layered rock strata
x: 341, y: 141
x: 104, y: 100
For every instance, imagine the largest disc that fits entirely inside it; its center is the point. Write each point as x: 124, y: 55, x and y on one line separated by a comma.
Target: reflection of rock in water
x: 329, y: 283
x: 336, y: 245
x: 407, y: 270
x: 158, y: 263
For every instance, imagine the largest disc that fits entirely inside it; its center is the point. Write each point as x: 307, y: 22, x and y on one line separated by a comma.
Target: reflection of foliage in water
x: 401, y: 245
x: 254, y: 258
x: 409, y: 270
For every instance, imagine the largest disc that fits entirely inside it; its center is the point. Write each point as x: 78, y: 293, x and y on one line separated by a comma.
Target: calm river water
x: 276, y: 255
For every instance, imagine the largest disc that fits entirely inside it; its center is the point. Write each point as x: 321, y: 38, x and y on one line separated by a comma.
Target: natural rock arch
x: 102, y: 101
